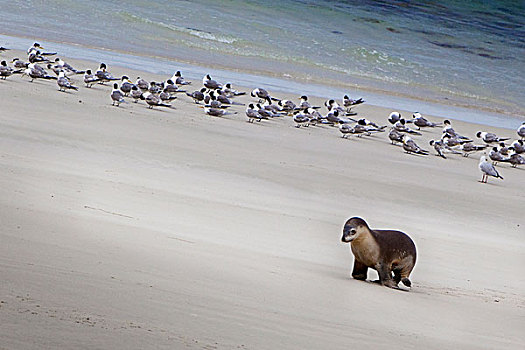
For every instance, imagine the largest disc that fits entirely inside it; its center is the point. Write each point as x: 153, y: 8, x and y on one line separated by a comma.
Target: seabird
x: 286, y: 105
x: 2, y: 49
x: 198, y: 95
x: 63, y: 82
x: 35, y: 56
x: 103, y: 75
x: 518, y: 146
x: 18, y: 63
x: 154, y: 88
x: 36, y: 72
x: 440, y: 146
x: 153, y: 100
x: 225, y: 100
x: 411, y: 147
x: 366, y: 122
x: 6, y: 71
x: 67, y: 67
x: 166, y: 96
x: 357, y: 129
x: 348, y: 102
x: 116, y: 95
x: 126, y: 85
x: 142, y: 84
x: 394, y: 117
x: 487, y: 169
x: 422, y: 122
x: 214, y: 112
x: 253, y: 114
x: 489, y: 137
x: 90, y: 79
x: 453, y: 141
x: 301, y: 119
x: 401, y: 127
x: 521, y: 131
x: 448, y: 130
x: 37, y: 47
x: 262, y: 94
x: 496, y: 157
x: 332, y: 105
x: 171, y: 87
x: 304, y: 104
x: 265, y: 113
x: 136, y: 94
x: 515, y: 159
x: 469, y: 148
x: 210, y: 84
x: 178, y: 79
x: 231, y: 92
x: 395, y: 136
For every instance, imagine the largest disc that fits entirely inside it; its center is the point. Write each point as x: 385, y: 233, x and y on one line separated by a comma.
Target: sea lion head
x: 353, y: 228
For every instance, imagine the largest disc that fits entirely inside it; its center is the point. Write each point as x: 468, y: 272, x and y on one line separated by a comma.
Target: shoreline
x: 158, y: 65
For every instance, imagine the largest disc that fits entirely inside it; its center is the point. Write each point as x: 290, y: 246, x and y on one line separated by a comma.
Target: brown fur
x: 386, y: 251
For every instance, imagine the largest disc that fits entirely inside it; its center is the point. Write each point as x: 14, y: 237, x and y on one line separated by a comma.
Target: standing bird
x: 252, y: 114
x: 521, y: 131
x: 489, y: 137
x: 63, y: 82
x: 116, y: 95
x: 411, y: 147
x: 487, y: 169
x: 6, y: 71
x: 126, y: 85
x: 142, y: 84
x: 67, y: 67
x: 90, y: 79
x: 136, y: 94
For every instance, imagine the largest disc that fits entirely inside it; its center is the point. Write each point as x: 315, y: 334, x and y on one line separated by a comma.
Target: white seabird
x: 487, y: 169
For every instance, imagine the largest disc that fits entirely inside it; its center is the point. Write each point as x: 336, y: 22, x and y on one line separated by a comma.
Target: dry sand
x: 130, y: 228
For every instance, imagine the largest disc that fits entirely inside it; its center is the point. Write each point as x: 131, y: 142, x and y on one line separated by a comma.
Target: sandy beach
x: 131, y: 228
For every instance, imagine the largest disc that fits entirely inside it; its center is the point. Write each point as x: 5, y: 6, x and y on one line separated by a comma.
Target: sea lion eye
x: 353, y: 230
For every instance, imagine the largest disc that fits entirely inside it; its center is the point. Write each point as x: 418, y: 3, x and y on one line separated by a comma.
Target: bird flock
x: 215, y: 98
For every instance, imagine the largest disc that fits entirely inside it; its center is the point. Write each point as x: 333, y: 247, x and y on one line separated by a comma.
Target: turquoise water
x: 469, y: 54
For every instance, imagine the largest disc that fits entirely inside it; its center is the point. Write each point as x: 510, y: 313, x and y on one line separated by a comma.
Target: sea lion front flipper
x: 360, y: 270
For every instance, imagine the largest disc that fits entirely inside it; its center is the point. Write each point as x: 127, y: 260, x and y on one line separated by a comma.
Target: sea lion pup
x: 385, y: 251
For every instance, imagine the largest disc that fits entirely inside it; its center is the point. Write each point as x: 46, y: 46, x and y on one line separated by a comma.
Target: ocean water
x: 469, y: 54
